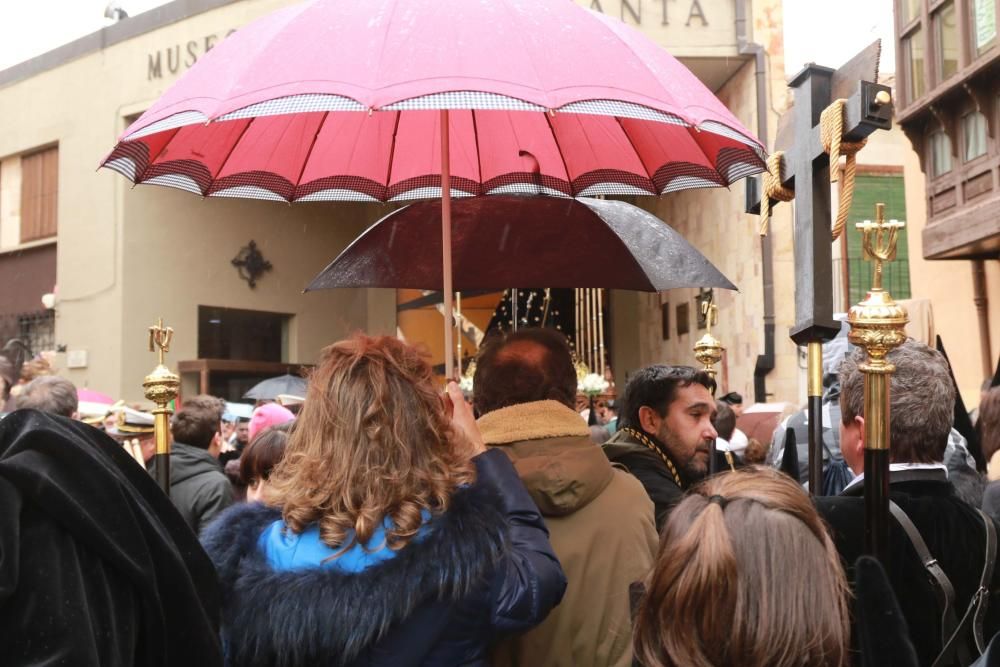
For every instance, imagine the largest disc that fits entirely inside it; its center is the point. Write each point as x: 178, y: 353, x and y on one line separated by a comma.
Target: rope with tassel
x: 773, y: 189
x: 832, y: 135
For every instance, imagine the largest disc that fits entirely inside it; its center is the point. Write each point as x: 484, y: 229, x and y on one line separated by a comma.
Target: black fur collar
x: 296, y: 617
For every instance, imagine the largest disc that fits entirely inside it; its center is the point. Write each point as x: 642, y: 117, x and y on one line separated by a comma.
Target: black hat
x: 732, y: 398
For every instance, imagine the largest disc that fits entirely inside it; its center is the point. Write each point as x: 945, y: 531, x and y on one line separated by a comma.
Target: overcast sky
x: 815, y: 31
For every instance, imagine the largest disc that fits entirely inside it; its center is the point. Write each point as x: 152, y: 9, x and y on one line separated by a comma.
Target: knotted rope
x: 773, y: 189
x: 831, y: 123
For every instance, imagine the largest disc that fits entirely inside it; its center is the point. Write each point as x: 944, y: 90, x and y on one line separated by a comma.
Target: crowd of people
x: 385, y: 523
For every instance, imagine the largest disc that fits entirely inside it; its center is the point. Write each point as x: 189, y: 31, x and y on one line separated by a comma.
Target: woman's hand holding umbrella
x: 466, y: 432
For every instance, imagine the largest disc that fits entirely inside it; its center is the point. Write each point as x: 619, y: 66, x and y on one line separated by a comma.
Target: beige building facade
x: 126, y: 256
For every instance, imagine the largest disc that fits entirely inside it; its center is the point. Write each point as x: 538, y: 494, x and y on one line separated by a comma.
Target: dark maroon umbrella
x: 512, y: 241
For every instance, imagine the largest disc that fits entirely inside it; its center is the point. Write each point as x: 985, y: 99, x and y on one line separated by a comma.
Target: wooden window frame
x: 40, y: 209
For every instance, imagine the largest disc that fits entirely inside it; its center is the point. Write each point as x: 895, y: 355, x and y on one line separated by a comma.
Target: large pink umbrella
x: 347, y: 100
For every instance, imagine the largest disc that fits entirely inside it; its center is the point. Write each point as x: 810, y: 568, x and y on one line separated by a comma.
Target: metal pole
x: 876, y: 462
x: 593, y: 330
x: 576, y: 323
x: 449, y: 352
x: 513, y: 307
x: 458, y: 331
x: 600, y: 330
x: 815, y: 416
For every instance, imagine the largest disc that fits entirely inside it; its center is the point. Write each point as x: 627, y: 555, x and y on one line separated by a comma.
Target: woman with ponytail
x: 746, y: 575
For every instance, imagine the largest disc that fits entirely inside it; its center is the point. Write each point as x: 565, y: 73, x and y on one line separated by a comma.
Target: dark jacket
x: 97, y: 568
x: 650, y: 470
x: 954, y: 534
x: 481, y: 570
x: 198, y: 487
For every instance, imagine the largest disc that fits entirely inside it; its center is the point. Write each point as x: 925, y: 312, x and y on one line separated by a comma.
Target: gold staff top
x: 708, y: 350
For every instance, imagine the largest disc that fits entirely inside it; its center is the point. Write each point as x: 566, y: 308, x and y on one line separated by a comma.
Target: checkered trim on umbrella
x: 414, y: 188
x: 622, y: 110
x: 612, y: 189
x: 295, y: 104
x: 248, y: 192
x: 525, y: 189
x: 613, y: 182
x: 280, y: 188
x: 688, y: 183
x: 336, y: 194
x: 124, y: 166
x: 528, y: 182
x: 175, y: 181
x: 170, y: 123
x: 184, y: 174
x: 729, y: 133
x: 365, y: 189
x: 670, y: 177
x: 737, y: 163
x: 427, y: 193
x: 464, y: 99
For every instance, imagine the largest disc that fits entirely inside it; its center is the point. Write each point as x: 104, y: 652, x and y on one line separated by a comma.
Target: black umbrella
x: 270, y: 388
x: 512, y: 241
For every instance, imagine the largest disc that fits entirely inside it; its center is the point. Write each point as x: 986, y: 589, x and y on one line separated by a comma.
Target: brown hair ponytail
x: 746, y: 575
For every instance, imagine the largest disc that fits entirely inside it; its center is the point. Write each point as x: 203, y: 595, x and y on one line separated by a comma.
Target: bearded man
x: 665, y: 432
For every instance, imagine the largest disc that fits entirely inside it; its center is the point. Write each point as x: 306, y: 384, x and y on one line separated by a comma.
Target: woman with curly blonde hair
x: 746, y: 575
x: 391, y: 536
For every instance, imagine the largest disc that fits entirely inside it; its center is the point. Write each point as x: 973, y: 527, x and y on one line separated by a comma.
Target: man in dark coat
x: 97, y: 569
x: 665, y: 432
x: 922, y: 407
x: 198, y: 487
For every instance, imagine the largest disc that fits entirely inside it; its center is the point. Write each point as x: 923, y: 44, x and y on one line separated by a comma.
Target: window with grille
x: 39, y: 194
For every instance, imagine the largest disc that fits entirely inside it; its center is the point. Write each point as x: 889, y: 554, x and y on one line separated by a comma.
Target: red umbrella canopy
x: 335, y: 100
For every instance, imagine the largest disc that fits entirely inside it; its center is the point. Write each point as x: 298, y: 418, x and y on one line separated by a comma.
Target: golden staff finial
x: 159, y: 339
x: 161, y: 387
x: 708, y: 350
x: 879, y: 241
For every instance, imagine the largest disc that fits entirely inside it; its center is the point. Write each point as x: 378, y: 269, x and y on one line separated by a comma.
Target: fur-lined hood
x: 323, y: 615
x: 550, y: 446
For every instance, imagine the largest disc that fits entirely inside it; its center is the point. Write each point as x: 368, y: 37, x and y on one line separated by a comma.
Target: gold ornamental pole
x: 708, y: 350
x: 878, y: 325
x: 161, y: 387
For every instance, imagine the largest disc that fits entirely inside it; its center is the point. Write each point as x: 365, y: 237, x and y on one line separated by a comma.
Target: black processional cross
x: 804, y: 167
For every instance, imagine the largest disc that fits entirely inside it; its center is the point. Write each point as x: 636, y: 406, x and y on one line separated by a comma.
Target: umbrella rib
x: 392, y: 154
x: 708, y: 158
x: 158, y: 154
x: 312, y: 145
x: 475, y: 143
x: 222, y: 165
x: 636, y: 151
x: 562, y: 158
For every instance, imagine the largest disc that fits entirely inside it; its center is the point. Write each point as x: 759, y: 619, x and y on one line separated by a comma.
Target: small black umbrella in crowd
x: 515, y: 241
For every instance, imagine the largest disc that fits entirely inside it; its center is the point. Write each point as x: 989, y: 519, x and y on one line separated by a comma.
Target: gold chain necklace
x: 644, y: 439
